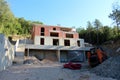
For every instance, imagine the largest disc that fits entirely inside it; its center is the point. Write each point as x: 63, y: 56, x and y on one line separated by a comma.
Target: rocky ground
x: 47, y: 70
x: 109, y: 68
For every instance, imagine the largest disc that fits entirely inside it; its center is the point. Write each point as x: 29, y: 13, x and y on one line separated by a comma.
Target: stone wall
x: 6, y: 53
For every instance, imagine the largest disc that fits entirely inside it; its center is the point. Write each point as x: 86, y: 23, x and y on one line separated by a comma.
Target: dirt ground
x: 47, y: 71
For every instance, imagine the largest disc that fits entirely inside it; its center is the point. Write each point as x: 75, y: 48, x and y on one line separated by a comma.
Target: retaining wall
x: 6, y: 53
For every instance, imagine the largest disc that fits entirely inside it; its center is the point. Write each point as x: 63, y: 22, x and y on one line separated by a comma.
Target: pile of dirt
x: 109, y: 68
x: 31, y: 60
x: 34, y: 60
x: 47, y: 61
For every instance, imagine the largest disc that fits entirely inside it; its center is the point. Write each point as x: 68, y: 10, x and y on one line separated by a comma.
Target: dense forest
x: 95, y: 32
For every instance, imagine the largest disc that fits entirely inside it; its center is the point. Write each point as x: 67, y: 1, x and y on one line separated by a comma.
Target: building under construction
x: 56, y: 43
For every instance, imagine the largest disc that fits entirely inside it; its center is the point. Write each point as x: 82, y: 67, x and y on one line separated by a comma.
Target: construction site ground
x: 33, y: 69
x: 47, y: 70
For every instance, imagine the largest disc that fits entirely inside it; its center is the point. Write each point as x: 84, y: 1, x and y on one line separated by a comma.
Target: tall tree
x: 89, y: 26
x: 97, y: 25
x: 89, y: 30
x: 115, y: 15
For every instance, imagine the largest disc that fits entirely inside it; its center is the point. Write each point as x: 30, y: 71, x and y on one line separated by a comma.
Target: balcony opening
x: 53, y: 34
x: 69, y: 35
x: 55, y: 42
x: 42, y: 41
x: 54, y: 28
x: 78, y: 43
x: 67, y: 42
x: 42, y: 31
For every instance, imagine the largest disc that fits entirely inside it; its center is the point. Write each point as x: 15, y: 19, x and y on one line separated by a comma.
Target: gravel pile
x: 109, y: 68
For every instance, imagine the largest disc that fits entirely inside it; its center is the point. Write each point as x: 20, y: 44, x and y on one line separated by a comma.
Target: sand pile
x: 31, y: 60
x: 109, y: 68
x: 34, y: 60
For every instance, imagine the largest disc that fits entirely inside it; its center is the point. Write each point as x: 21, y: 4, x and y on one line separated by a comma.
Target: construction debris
x: 109, y: 68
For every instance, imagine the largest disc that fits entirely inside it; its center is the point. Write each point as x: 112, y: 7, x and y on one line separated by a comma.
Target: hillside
x: 111, y: 48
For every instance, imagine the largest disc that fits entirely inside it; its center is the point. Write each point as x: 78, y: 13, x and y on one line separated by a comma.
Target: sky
x: 67, y: 13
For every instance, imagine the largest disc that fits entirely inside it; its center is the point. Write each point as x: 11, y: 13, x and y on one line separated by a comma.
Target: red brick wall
x: 75, y: 35
x: 51, y: 28
x: 58, y: 28
x: 32, y: 33
x: 47, y: 33
x: 37, y: 31
x: 62, y: 34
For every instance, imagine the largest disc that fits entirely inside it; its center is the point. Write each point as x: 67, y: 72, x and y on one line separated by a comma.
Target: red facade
x: 53, y: 31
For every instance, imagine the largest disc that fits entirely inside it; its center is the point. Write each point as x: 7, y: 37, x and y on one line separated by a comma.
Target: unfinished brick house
x: 55, y: 35
x: 56, y: 41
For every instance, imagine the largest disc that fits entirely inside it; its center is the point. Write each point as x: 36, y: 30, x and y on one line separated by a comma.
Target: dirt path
x: 46, y: 72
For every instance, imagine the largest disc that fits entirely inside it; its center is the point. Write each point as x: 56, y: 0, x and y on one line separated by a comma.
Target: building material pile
x: 109, y: 68
x: 34, y: 60
x: 31, y: 60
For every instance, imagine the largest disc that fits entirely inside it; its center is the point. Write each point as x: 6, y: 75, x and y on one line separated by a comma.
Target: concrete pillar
x: 28, y: 52
x: 61, y: 42
x: 58, y: 52
x: 37, y: 40
x: 84, y: 56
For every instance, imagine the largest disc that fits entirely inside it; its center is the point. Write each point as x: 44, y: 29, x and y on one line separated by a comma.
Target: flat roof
x: 49, y: 47
x: 52, y: 26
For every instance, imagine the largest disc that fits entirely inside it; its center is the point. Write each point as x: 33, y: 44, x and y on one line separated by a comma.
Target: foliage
x: 10, y: 25
x: 97, y: 35
x: 37, y: 22
x: 6, y: 19
x: 115, y: 16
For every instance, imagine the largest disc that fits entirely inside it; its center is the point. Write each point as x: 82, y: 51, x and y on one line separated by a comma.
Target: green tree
x: 10, y: 25
x: 115, y: 16
x: 107, y: 33
x: 98, y: 25
x: 92, y: 34
x: 89, y: 30
x: 6, y: 19
x: 37, y: 22
x: 25, y: 26
x: 89, y: 26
